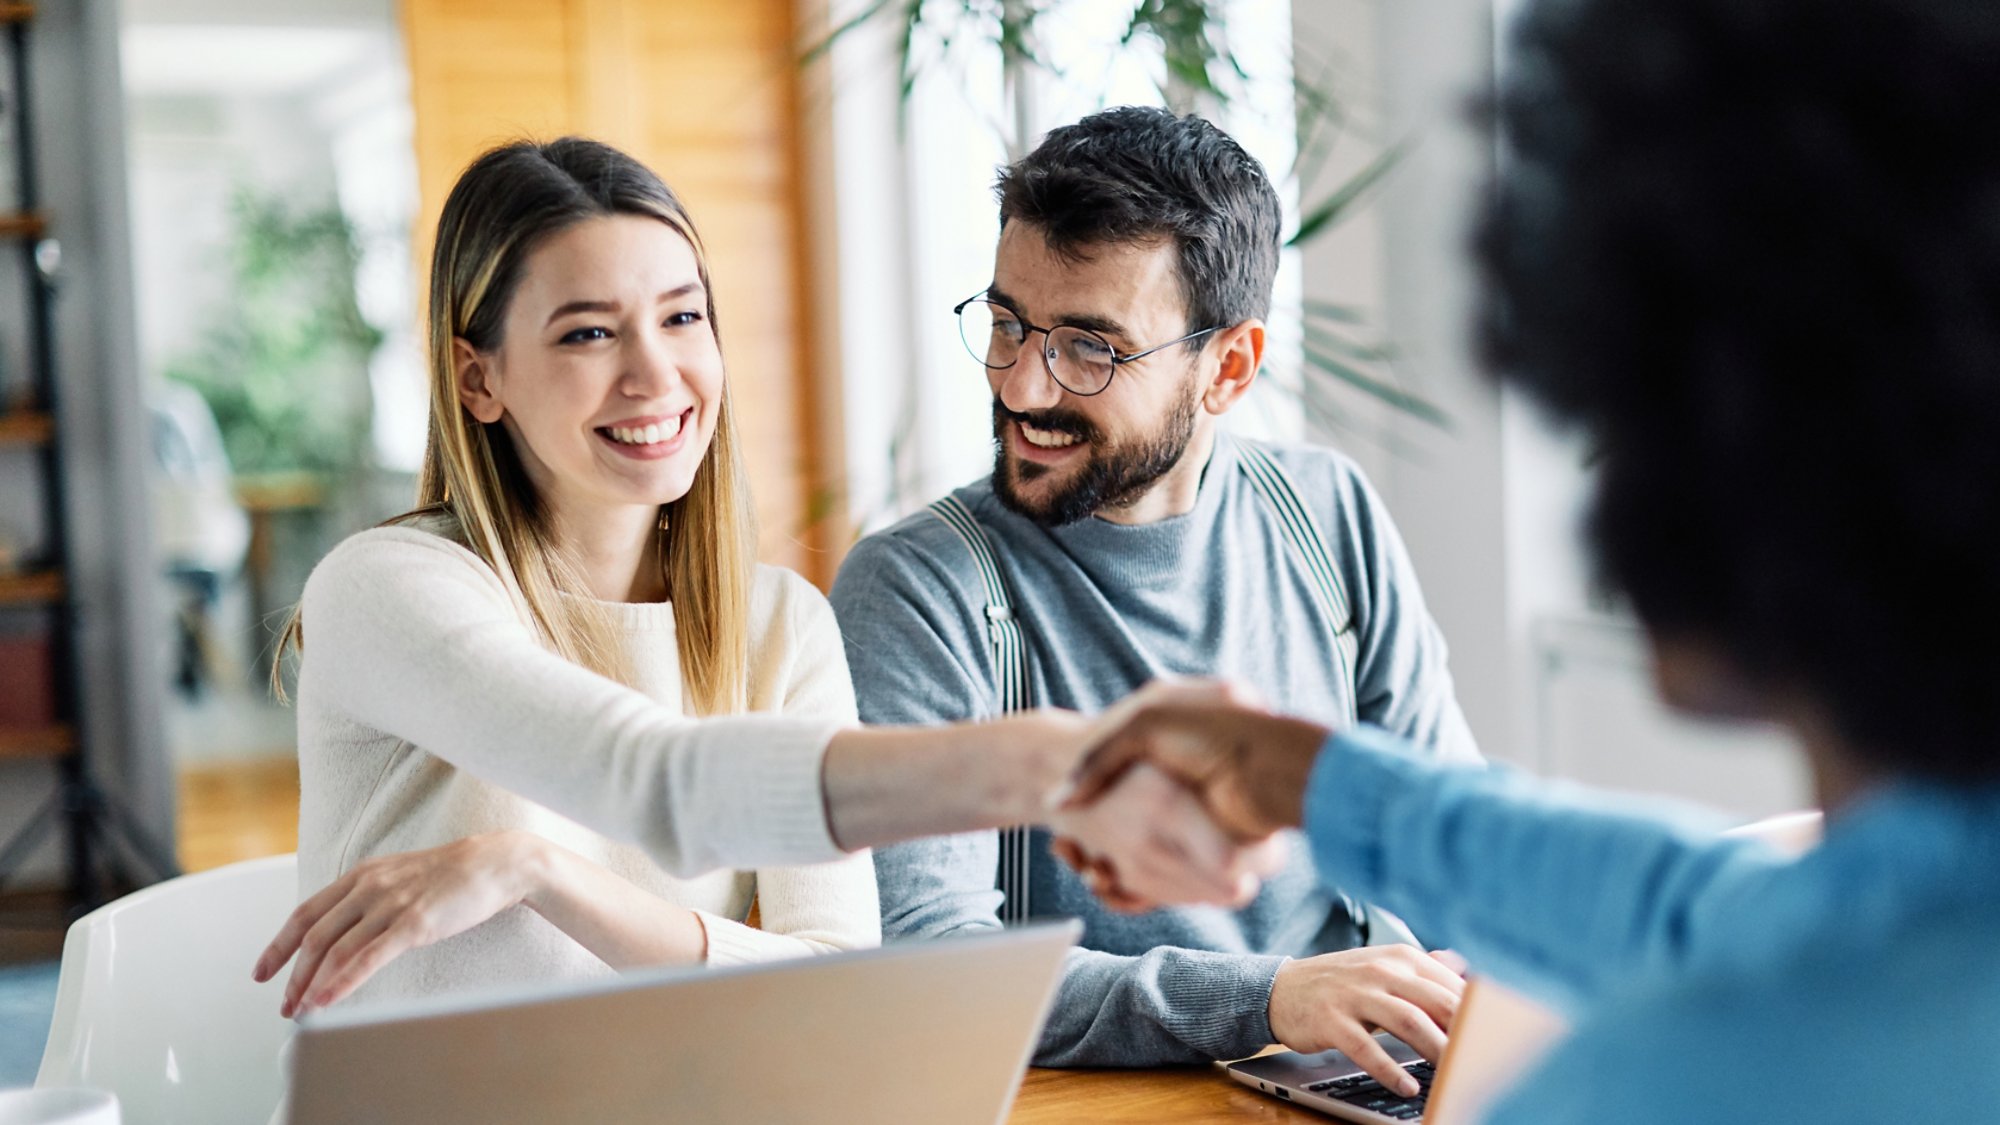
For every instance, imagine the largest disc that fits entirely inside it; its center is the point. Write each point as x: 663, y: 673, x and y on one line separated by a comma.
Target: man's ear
x: 1239, y: 351
x: 470, y: 373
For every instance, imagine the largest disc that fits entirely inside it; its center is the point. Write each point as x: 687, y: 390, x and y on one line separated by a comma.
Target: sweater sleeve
x: 1561, y: 891
x: 414, y: 636
x: 913, y: 631
x: 1402, y: 683
x: 825, y: 907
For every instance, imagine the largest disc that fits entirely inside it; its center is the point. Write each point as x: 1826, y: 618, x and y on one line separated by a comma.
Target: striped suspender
x: 1010, y: 659
x: 1303, y: 533
x: 1010, y: 648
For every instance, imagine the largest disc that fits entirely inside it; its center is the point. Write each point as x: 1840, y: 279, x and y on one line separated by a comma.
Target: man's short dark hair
x: 1752, y: 250
x: 1135, y: 174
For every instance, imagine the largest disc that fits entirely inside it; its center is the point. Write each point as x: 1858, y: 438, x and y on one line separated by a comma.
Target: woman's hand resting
x: 391, y: 904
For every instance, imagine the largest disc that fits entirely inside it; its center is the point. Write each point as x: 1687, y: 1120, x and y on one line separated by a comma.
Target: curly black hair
x: 1134, y: 173
x: 1752, y: 250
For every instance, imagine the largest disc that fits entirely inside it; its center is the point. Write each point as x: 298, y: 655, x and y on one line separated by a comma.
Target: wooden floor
x: 238, y: 810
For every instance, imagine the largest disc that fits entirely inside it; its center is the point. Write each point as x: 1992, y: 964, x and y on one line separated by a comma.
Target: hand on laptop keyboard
x: 1337, y: 1001
x: 1363, y: 1092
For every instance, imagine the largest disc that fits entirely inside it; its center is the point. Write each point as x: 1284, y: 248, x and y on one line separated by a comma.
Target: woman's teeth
x: 1047, y: 439
x: 645, y: 435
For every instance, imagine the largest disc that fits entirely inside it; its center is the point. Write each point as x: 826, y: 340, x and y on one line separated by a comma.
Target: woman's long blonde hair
x: 502, y: 207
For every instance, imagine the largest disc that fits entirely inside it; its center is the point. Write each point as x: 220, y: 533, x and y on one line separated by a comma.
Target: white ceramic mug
x: 58, y: 1105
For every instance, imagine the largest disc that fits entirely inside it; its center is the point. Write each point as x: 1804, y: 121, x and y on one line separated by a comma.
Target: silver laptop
x: 937, y: 1031
x: 1334, y: 1084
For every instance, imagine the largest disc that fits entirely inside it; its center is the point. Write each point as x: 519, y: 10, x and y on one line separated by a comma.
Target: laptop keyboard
x: 1363, y: 1092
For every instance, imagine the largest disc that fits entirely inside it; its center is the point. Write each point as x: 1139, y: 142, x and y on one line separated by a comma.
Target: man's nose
x: 1028, y: 385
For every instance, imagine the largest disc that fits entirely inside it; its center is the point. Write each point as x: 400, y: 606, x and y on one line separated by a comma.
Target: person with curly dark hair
x: 1751, y: 251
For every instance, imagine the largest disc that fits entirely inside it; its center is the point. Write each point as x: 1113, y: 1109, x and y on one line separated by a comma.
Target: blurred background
x: 235, y: 200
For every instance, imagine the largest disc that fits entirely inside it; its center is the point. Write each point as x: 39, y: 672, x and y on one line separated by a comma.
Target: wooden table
x: 1190, y: 1095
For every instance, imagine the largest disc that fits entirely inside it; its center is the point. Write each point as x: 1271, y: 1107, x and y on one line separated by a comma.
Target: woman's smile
x: 651, y: 437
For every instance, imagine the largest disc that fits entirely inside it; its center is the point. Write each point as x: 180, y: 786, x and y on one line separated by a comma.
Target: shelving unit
x: 26, y: 427
x: 92, y: 823
x: 32, y: 587
x: 44, y: 742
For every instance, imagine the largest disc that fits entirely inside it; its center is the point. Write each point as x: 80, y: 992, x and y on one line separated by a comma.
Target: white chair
x: 156, y: 1005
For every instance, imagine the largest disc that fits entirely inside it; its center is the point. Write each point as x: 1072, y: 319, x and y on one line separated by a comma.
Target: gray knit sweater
x: 1106, y: 608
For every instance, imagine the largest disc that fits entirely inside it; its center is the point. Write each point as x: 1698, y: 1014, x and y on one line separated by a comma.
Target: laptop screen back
x: 937, y: 1032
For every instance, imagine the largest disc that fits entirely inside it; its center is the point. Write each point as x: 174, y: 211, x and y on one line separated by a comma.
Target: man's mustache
x: 1054, y: 421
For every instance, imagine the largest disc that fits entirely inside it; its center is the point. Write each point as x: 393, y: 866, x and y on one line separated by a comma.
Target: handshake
x: 1178, y: 794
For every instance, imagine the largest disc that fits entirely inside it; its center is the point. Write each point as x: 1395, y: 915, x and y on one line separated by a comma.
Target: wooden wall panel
x: 705, y: 92
x: 481, y: 71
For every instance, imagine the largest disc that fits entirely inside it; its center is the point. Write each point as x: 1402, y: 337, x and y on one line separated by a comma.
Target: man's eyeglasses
x: 1079, y: 360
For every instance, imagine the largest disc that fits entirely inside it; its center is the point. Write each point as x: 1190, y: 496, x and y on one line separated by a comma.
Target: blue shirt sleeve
x: 1559, y: 891
x: 1709, y: 979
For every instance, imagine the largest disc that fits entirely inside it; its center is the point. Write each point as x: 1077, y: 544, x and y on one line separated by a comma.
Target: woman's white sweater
x: 428, y: 711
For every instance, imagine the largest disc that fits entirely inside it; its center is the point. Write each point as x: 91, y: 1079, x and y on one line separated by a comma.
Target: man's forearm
x: 1169, y: 1007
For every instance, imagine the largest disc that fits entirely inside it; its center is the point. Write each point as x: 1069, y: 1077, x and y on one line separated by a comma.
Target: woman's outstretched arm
x: 411, y: 635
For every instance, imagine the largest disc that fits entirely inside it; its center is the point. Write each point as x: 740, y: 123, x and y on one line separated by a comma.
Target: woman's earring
x: 665, y: 519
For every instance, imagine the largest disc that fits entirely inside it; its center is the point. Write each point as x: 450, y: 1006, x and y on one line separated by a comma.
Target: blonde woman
x: 557, y: 720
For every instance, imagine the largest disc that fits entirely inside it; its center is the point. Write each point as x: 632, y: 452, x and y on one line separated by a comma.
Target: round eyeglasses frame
x: 1048, y: 365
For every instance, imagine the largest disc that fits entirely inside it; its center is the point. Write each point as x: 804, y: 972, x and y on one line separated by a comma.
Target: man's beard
x: 1110, y: 478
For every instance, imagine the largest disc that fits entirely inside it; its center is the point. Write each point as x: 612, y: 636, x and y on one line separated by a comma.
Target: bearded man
x: 1122, y: 537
